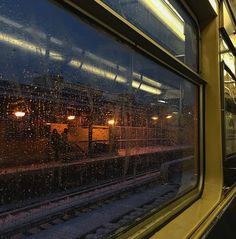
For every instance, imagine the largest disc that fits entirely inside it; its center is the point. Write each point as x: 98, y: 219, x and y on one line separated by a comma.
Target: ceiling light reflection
x: 146, y: 88
x: 22, y: 44
x: 167, y: 14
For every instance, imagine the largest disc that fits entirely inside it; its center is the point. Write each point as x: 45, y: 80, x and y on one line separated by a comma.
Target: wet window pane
x: 86, y: 115
x: 164, y: 21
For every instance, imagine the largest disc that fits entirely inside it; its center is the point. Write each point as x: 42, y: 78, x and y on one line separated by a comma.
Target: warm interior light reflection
x: 167, y: 14
x: 111, y: 122
x: 155, y: 118
x: 74, y: 62
x: 169, y: 116
x: 83, y: 66
x: 71, y: 117
x: 19, y: 114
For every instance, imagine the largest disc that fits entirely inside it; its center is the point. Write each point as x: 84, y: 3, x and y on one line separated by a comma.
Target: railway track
x: 23, y: 222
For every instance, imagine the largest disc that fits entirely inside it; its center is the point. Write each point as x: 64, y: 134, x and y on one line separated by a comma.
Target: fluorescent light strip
x: 29, y: 46
x: 103, y: 73
x: 10, y: 22
x: 57, y: 56
x: 21, y: 44
x: 147, y: 80
x: 97, y: 71
x: 151, y: 82
x: 169, y: 17
x: 147, y: 88
x: 29, y: 30
x: 78, y: 64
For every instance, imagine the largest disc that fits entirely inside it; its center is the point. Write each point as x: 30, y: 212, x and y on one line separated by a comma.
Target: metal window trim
x: 222, y: 97
x: 101, y: 13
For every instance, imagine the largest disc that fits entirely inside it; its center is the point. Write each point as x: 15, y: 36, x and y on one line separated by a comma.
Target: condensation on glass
x: 79, y: 109
x: 166, y: 22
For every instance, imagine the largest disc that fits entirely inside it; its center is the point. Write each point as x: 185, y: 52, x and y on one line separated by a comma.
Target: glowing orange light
x: 19, y: 114
x: 155, y: 118
x: 71, y: 117
x: 111, y: 122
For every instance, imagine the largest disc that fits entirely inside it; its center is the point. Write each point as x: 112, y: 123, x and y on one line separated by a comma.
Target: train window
x: 85, y: 115
x: 227, y: 55
x: 228, y: 58
x: 230, y: 130
x: 166, y: 22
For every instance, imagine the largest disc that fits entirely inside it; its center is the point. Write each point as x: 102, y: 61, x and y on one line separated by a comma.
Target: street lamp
x: 19, y: 114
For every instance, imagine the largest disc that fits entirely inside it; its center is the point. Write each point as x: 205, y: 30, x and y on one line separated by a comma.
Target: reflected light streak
x: 21, y: 44
x: 29, y: 30
x: 58, y: 57
x: 29, y: 46
x: 75, y: 63
x: 55, y: 56
x: 10, y: 22
x: 143, y: 87
x: 167, y: 14
x: 151, y: 82
x: 78, y: 64
x: 147, y: 80
x: 97, y: 71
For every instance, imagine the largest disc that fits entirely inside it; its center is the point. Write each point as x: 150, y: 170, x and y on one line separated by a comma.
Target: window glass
x: 228, y: 57
x: 166, y: 22
x: 229, y: 76
x: 230, y: 128
x: 85, y: 115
